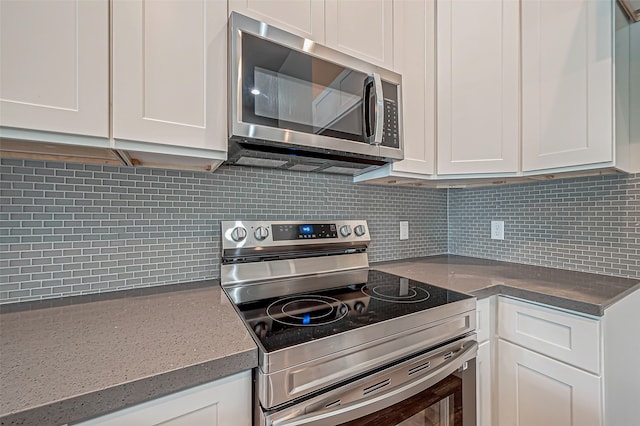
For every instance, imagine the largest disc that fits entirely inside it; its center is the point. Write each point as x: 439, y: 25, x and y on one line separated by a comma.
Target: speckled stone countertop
x: 67, y: 360
x: 577, y: 291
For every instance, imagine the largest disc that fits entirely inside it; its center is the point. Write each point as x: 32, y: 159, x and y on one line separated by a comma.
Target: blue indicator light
x: 306, y: 229
x: 306, y: 319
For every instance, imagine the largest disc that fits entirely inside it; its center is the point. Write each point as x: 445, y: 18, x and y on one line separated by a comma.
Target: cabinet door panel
x: 477, y: 86
x: 169, y: 73
x: 225, y: 401
x: 414, y: 56
x: 54, y: 59
x: 566, y: 83
x: 484, y: 390
x: 536, y: 390
x: 569, y: 338
x: 302, y: 17
x: 362, y: 28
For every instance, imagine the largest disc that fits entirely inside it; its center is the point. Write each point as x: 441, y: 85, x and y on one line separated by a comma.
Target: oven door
x: 435, y: 388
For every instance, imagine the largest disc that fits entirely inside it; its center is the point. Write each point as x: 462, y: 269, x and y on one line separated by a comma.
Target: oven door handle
x: 362, y: 407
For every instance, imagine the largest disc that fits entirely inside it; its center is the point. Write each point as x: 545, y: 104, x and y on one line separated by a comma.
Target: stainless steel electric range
x: 340, y: 343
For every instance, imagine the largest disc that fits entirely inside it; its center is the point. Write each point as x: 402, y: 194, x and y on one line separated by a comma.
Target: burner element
x: 403, y: 293
x: 307, y: 310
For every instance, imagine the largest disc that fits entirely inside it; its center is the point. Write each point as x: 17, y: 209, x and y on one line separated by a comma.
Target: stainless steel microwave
x: 298, y: 105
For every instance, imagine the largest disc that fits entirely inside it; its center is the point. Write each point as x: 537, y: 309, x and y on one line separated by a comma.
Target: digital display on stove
x: 288, y: 232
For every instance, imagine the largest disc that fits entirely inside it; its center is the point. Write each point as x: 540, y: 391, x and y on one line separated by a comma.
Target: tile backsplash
x: 69, y: 229
x: 587, y: 224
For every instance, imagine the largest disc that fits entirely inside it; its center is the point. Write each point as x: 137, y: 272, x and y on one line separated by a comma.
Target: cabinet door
x: 566, y: 83
x: 302, y: 17
x: 414, y: 58
x: 169, y: 75
x: 54, y: 66
x: 478, y: 86
x: 535, y: 390
x: 484, y: 388
x: 223, y: 402
x: 362, y: 28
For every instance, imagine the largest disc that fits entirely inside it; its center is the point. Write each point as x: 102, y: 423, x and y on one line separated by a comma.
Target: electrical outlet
x: 497, y: 229
x: 404, y: 230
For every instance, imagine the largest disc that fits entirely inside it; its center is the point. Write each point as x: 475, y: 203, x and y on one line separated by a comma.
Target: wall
x: 72, y: 229
x: 584, y: 224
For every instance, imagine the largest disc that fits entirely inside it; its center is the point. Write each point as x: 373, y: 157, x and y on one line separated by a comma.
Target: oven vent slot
x: 333, y: 404
x: 419, y: 368
x: 448, y: 355
x: 376, y: 387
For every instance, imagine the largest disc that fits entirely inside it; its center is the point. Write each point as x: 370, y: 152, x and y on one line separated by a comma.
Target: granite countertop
x: 581, y: 292
x: 70, y: 359
x: 67, y: 360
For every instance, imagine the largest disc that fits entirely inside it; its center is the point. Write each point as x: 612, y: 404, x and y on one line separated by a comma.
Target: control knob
x: 343, y: 309
x: 238, y: 234
x: 359, y: 307
x: 360, y: 230
x: 261, y: 233
x: 261, y: 329
x: 345, y: 230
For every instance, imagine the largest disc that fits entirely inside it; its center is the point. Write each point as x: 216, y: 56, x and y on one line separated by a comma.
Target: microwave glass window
x: 288, y: 89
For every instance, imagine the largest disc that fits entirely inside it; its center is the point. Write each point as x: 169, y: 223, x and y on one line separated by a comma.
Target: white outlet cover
x: 404, y: 230
x: 497, y: 229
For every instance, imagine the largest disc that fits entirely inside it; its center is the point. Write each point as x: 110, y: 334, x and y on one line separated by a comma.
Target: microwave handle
x: 373, y: 123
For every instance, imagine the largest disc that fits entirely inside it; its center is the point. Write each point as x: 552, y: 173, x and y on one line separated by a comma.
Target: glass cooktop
x: 296, y: 318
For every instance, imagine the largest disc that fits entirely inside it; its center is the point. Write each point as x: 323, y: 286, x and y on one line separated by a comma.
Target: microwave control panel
x: 390, y: 134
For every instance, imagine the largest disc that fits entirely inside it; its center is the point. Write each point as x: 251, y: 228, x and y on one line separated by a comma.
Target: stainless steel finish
x: 379, y: 110
x: 240, y: 274
x: 267, y: 289
x: 343, y: 257
x: 261, y: 233
x: 238, y: 234
x: 425, y: 346
x: 251, y: 243
x: 360, y: 230
x: 349, y: 402
x: 295, y: 371
x: 238, y: 25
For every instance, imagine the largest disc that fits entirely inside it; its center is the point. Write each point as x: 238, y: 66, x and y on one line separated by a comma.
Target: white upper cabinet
x: 54, y: 67
x: 170, y: 80
x: 362, y: 28
x: 478, y: 86
x: 414, y: 52
x: 567, y: 66
x: 301, y: 17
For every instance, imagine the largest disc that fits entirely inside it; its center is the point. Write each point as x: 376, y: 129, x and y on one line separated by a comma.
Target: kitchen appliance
x: 295, y: 104
x: 339, y: 342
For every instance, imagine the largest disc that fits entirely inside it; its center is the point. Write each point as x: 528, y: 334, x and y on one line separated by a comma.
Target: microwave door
x: 283, y: 88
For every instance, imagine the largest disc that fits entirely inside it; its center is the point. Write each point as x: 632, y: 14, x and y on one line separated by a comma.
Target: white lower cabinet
x: 538, y: 390
x: 223, y: 402
x: 558, y: 367
x: 484, y: 389
x: 485, y: 360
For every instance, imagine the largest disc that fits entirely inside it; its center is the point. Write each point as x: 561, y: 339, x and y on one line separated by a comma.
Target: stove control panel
x: 239, y: 234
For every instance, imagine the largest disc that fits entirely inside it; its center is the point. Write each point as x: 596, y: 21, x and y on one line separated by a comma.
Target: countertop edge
x: 530, y: 295
x: 119, y: 397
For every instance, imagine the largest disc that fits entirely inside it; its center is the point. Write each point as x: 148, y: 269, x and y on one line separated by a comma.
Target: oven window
x: 440, y: 405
